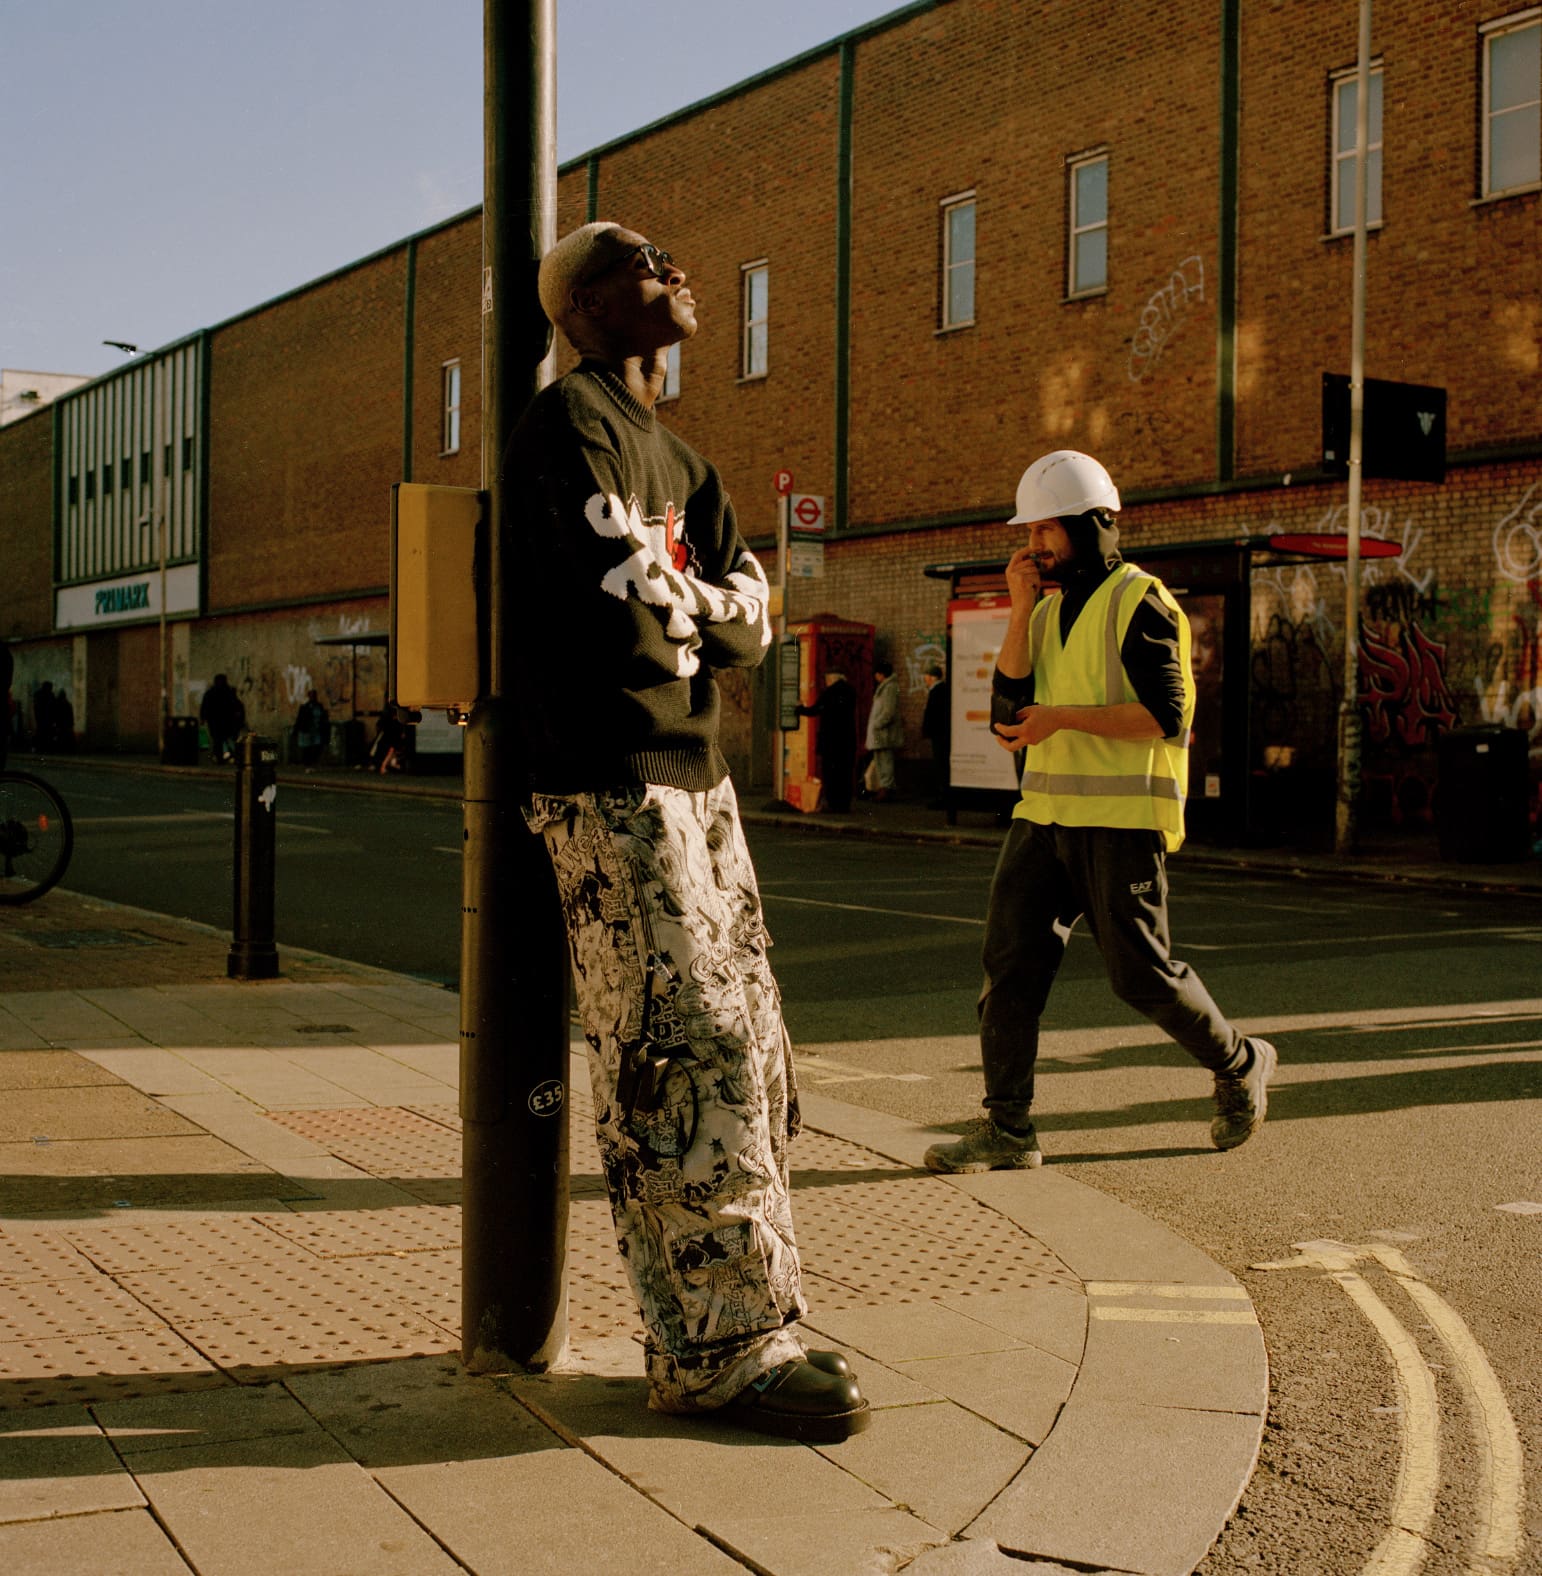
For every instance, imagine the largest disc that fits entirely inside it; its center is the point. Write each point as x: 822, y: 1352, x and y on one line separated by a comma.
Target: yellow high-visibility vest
x: 1078, y: 779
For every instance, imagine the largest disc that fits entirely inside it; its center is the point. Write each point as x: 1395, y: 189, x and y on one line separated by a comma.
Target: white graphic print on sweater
x: 655, y: 573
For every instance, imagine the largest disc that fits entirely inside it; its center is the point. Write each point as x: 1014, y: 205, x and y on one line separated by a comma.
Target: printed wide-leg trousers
x: 669, y: 954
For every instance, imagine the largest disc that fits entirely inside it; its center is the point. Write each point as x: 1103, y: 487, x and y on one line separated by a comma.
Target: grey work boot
x: 988, y: 1148
x: 1241, y: 1100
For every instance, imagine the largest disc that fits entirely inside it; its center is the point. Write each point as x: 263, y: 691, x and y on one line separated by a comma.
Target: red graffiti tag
x: 1403, y: 686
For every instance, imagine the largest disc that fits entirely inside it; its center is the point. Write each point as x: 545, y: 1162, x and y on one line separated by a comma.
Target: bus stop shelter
x: 1229, y: 802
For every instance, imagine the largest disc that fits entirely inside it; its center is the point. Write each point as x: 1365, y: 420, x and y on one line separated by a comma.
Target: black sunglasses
x: 660, y: 263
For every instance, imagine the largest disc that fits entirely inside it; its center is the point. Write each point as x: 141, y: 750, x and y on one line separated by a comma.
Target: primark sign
x: 128, y: 599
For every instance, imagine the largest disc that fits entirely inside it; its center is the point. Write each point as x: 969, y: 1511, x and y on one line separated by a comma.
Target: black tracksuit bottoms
x: 1046, y: 879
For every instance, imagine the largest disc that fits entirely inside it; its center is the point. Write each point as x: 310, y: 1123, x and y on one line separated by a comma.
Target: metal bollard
x: 253, y: 955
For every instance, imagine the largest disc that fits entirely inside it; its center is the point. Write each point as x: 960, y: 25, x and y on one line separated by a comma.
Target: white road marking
x: 865, y: 908
x: 1508, y: 932
x: 1501, y: 1482
x: 1519, y: 933
x: 179, y: 817
x: 821, y: 1070
x: 1522, y: 1207
x: 286, y: 823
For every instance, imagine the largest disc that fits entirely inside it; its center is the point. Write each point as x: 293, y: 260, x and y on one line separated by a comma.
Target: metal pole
x: 514, y: 963
x: 253, y: 955
x: 157, y: 423
x: 783, y: 535
x: 1349, y: 705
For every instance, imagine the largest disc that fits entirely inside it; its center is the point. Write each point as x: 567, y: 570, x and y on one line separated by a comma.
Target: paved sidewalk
x: 229, y: 1314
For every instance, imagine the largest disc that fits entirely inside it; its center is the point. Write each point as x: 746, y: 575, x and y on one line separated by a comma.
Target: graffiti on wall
x: 1165, y: 312
x: 928, y: 649
x: 1403, y: 693
x: 1518, y: 539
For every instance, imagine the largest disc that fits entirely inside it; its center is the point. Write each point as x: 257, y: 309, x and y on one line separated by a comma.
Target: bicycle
x: 37, y: 837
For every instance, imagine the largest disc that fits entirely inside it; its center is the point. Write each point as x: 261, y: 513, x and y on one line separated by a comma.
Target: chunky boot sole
x: 800, y: 1400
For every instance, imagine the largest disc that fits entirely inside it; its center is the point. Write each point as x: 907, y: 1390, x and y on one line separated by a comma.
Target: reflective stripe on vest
x: 1079, y: 779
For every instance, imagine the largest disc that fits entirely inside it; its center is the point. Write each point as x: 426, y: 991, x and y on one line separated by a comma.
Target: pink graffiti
x: 1403, y: 686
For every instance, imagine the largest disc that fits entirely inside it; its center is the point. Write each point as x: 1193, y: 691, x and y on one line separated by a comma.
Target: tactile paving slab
x: 600, y: 1300
x: 288, y: 1308
x: 346, y: 1234
x: 172, y: 1244
x: 422, y: 1157
x: 28, y: 1256
x: 117, y: 1367
x: 71, y: 1309
x: 426, y: 1283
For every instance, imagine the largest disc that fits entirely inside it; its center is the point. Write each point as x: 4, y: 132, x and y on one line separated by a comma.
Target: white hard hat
x: 1065, y: 482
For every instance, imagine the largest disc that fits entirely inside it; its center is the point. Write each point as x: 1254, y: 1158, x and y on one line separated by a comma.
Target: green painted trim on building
x: 1226, y: 243
x: 843, y: 284
x: 409, y: 346
x: 592, y: 198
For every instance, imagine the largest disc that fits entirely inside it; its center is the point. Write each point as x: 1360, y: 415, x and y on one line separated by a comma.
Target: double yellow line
x: 1500, y: 1487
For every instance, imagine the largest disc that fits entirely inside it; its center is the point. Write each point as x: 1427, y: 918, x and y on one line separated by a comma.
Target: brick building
x: 926, y: 252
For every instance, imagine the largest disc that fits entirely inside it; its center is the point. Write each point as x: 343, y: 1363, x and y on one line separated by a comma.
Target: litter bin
x: 1480, y: 807
x: 181, y: 742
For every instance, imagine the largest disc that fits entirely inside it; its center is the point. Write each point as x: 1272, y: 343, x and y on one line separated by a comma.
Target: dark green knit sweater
x: 636, y: 584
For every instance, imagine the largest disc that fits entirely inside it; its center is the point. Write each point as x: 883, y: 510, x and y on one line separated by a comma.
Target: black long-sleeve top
x: 635, y: 584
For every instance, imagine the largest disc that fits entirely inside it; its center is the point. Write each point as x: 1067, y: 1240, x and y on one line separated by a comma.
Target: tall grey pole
x: 514, y: 966
x: 1344, y: 832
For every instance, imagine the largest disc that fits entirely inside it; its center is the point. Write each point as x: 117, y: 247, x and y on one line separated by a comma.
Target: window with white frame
x: 1345, y: 90
x: 449, y: 433
x: 1087, y: 204
x: 1512, y: 103
x: 958, y: 260
x: 671, y: 388
x: 755, y: 291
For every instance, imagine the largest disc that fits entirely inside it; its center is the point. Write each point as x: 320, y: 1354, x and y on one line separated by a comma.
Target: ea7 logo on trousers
x: 1138, y: 887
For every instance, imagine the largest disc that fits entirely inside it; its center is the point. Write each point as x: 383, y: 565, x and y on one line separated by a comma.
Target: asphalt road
x: 1404, y: 1121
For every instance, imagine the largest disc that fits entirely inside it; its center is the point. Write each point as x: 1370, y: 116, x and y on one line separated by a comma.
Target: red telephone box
x: 826, y: 644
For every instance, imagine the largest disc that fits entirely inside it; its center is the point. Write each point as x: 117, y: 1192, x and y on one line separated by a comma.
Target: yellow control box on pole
x: 433, y: 656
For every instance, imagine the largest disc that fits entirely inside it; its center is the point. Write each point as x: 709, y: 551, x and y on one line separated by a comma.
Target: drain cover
x: 94, y: 938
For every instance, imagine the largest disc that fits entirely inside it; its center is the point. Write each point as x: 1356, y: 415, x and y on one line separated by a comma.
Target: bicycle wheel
x: 37, y: 837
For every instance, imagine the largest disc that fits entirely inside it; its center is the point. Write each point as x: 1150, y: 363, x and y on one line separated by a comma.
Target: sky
x: 167, y: 164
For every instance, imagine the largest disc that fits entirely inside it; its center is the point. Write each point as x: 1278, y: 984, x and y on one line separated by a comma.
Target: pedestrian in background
x: 836, y: 711
x: 223, y: 713
x: 638, y: 585
x: 312, y: 729
x: 936, y: 729
x: 885, y: 733
x: 62, y: 724
x: 7, y: 675
x: 1103, y: 789
x: 43, y: 702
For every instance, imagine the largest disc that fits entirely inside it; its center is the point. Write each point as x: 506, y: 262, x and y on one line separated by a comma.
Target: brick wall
x: 1452, y: 287
x: 305, y: 440
x: 750, y: 178
x: 448, y: 325
x: 26, y: 532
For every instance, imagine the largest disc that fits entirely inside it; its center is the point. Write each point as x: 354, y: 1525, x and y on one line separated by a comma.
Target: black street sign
x: 1404, y: 436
